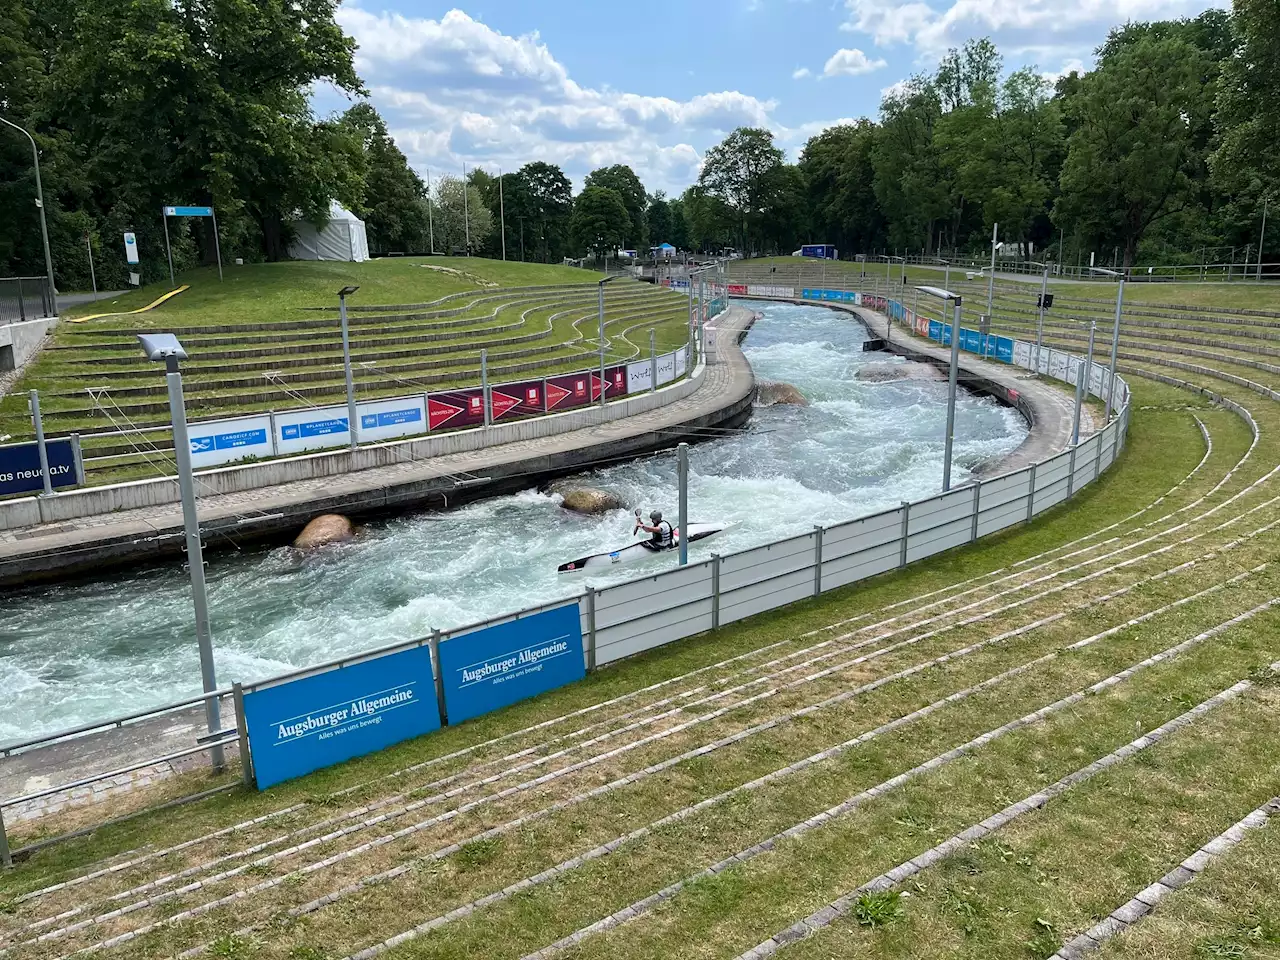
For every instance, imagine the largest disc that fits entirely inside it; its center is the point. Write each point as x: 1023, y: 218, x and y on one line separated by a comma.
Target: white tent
x: 343, y: 237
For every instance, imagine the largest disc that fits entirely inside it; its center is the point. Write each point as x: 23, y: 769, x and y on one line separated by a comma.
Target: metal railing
x: 24, y: 298
x: 1250, y: 272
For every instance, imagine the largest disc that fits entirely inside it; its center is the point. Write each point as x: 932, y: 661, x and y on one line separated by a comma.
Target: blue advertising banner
x: 935, y: 330
x: 1001, y: 348
x: 20, y: 466
x: 970, y: 340
x: 317, y: 721
x: 314, y: 428
x: 388, y: 418
x: 501, y: 665
x: 188, y: 211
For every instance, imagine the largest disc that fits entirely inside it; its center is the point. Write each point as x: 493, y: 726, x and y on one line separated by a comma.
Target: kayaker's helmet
x: 656, y: 516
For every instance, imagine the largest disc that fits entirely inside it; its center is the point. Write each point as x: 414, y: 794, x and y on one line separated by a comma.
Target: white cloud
x: 455, y: 89
x: 850, y: 63
x: 800, y: 73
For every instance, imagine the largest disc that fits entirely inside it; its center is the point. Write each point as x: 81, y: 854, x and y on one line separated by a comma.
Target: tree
x: 623, y: 180
x: 1132, y: 157
x: 840, y: 198
x: 392, y: 197
x: 540, y: 198
x: 736, y: 172
x: 600, y: 221
x: 659, y: 220
x: 1249, y: 104
x: 911, y: 183
x: 459, y: 219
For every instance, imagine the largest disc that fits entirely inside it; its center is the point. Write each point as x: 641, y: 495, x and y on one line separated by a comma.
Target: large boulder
x: 589, y: 500
x: 325, y: 529
x: 896, y: 372
x: 769, y: 392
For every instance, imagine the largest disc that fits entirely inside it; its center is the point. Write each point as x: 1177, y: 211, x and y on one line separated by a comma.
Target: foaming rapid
x: 73, y: 653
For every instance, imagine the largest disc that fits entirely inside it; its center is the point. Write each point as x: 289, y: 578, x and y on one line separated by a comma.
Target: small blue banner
x: 317, y: 721
x: 313, y: 428
x: 20, y: 466
x: 970, y: 340
x: 229, y: 441
x: 501, y: 665
x: 388, y: 418
x: 935, y: 330
x: 188, y: 211
x: 1002, y: 349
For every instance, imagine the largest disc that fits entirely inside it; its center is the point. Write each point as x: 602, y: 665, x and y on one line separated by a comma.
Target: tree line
x: 1163, y: 152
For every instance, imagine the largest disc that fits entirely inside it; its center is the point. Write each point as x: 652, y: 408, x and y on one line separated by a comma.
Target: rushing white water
x: 78, y: 652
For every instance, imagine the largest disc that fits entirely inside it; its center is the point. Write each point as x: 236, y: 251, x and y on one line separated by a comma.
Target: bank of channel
x: 73, y: 653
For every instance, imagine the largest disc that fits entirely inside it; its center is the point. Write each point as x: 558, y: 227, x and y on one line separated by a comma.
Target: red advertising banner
x: 455, y: 408
x: 570, y: 390
x: 615, y: 383
x: 513, y: 400
x: 737, y: 289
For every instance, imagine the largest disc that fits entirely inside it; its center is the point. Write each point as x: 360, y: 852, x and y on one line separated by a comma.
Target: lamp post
x: 1108, y: 403
x: 352, y: 422
x: 1040, y: 308
x: 946, y: 279
x: 1083, y: 376
x: 952, y: 378
x: 1262, y: 238
x: 165, y: 346
x: 991, y: 280
x: 600, y: 292
x: 44, y: 229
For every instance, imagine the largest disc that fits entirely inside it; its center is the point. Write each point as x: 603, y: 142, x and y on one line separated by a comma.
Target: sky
x: 500, y: 83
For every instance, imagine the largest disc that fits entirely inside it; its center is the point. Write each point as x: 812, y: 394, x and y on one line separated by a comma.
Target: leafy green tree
x: 1133, y: 155
x: 737, y: 172
x: 911, y: 183
x: 392, y: 202
x: 459, y: 218
x: 840, y: 197
x: 623, y: 180
x: 1247, y: 160
x: 659, y: 220
x: 600, y: 220
x: 539, y: 197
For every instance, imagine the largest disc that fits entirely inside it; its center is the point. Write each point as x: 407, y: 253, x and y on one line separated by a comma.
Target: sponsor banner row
x: 320, y: 428
x: 769, y: 290
x: 315, y: 721
x: 20, y: 470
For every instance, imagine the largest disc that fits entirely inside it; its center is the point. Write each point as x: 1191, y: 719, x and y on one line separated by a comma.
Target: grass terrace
x: 268, y: 339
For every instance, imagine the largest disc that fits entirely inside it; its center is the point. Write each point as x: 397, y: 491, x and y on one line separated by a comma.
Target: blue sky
x: 502, y: 82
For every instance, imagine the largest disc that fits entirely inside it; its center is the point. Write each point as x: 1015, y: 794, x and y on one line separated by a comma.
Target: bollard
x: 242, y: 729
x: 906, y: 519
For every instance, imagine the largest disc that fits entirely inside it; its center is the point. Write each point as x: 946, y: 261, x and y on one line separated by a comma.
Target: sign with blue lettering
x: 20, y: 466
x: 317, y: 429
x: 223, y: 441
x: 188, y: 211
x: 935, y: 330
x: 317, y: 721
x: 388, y: 419
x: 501, y: 665
x: 1002, y: 349
x: 970, y: 340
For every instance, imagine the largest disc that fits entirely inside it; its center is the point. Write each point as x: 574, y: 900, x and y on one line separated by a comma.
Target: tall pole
x: 1115, y: 349
x: 93, y: 277
x: 1044, y: 289
x: 38, y: 422
x: 600, y: 291
x: 167, y: 248
x: 502, y: 215
x: 44, y: 228
x: 466, y: 212
x: 1262, y: 238
x: 991, y: 280
x: 217, y: 247
x: 653, y: 360
x: 946, y: 280
x: 195, y: 553
x: 951, y: 397
x: 431, y: 227
x: 682, y: 462
x: 485, y: 399
x: 352, y: 421
x: 1083, y: 375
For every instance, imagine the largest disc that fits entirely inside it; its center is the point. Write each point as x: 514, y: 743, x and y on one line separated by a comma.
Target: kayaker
x: 662, y: 534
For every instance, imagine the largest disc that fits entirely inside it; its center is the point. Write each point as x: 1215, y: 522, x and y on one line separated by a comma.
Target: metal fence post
x: 38, y: 423
x: 79, y: 458
x: 434, y: 646
x: 6, y: 858
x: 1031, y: 493
x: 591, y: 629
x: 977, y: 493
x: 1097, y: 460
x: 1071, y: 472
x: 242, y: 728
x: 653, y: 361
x: 906, y: 518
x: 22, y: 303
x: 817, y: 560
x: 715, y: 591
x: 484, y: 387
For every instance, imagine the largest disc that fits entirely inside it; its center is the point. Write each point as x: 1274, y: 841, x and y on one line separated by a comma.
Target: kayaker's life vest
x: 663, y: 537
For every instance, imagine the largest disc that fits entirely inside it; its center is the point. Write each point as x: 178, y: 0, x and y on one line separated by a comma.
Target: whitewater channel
x: 83, y: 651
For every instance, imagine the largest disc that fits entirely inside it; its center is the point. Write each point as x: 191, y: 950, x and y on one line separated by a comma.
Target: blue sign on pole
x: 501, y: 665
x: 317, y: 721
x: 188, y: 211
x: 20, y: 466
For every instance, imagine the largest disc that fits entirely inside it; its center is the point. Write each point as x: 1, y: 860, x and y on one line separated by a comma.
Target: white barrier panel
x: 1022, y: 354
x: 1098, y: 379
x: 388, y: 419
x: 768, y: 290
x: 223, y: 441
x: 1057, y: 365
x: 315, y: 429
x: 639, y: 376
x: 667, y: 368
x: 858, y: 566
x: 861, y: 534
x: 682, y: 358
x: 754, y: 566
x: 628, y: 621
x: 757, y: 598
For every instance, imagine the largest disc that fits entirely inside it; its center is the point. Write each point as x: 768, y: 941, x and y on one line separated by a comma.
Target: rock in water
x: 591, y: 501
x: 325, y: 529
x: 895, y: 372
x: 770, y: 392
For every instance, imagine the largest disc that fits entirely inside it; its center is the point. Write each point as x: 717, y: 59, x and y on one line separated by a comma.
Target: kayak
x: 637, y: 551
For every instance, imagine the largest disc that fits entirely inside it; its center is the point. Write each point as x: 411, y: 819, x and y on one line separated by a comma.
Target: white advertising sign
x: 682, y: 359
x: 388, y: 419
x: 130, y: 248
x: 317, y: 429
x: 639, y: 375
x: 1058, y: 366
x: 1022, y: 354
x: 769, y: 290
x: 667, y: 368
x: 223, y: 441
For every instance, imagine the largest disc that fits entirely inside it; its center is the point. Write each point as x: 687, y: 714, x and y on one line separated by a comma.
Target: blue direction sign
x: 20, y: 466
x: 188, y: 211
